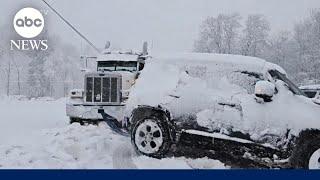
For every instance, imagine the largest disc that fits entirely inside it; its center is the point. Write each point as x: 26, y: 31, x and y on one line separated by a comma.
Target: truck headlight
x: 76, y: 93
x: 125, y: 93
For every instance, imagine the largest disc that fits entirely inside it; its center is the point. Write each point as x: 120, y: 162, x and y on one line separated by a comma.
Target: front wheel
x: 314, y: 160
x: 306, y: 154
x: 150, y: 137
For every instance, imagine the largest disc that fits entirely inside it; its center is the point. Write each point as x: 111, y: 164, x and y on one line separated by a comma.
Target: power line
x: 72, y: 27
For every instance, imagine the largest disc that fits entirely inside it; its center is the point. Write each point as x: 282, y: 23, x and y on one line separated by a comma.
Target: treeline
x: 57, y: 70
x: 37, y: 73
x: 296, y: 50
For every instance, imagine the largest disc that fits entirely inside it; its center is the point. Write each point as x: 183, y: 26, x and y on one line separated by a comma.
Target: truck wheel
x: 306, y: 154
x: 76, y: 120
x: 150, y: 137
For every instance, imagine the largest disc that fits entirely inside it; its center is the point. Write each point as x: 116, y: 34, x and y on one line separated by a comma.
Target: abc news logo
x: 28, y: 23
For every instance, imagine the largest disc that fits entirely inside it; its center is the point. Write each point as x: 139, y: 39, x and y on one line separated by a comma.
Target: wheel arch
x: 307, y: 134
x: 144, y: 111
x: 305, y: 143
x: 147, y: 111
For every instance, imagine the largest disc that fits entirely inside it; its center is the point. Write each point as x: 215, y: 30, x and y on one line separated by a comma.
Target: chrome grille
x: 103, y: 89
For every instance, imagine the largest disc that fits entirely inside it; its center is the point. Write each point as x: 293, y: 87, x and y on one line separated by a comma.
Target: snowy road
x: 36, y: 134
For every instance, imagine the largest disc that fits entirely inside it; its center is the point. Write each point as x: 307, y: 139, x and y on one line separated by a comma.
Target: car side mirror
x: 264, y: 90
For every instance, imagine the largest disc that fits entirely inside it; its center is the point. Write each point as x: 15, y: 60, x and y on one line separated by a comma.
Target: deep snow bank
x: 76, y: 146
x: 21, y: 119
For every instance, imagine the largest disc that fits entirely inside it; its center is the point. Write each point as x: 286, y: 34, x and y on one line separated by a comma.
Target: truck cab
x: 107, y: 87
x: 128, y: 65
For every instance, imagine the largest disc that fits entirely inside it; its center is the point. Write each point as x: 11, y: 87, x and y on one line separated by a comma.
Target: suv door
x: 229, y: 113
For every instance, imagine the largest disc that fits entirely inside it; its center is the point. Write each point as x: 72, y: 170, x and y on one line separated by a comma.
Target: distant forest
x: 55, y: 71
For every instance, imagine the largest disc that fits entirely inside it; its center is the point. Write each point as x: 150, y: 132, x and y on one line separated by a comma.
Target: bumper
x: 90, y: 112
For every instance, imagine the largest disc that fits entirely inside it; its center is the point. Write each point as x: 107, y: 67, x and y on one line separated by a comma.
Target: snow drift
x: 36, y: 134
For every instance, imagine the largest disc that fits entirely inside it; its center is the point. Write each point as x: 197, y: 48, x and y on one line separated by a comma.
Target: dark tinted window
x: 310, y: 94
x: 117, y: 65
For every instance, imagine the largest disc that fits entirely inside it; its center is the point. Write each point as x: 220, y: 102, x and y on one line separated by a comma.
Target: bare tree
x: 18, y: 69
x: 219, y: 34
x: 230, y: 28
x: 8, y: 72
x: 279, y: 45
x: 255, y: 35
x: 307, y: 37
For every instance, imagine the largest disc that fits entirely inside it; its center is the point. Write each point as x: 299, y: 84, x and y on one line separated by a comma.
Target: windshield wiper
x: 109, y: 70
x: 124, y: 70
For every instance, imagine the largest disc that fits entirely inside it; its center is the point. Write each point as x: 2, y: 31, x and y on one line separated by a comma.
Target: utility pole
x: 8, y: 78
x: 18, y: 75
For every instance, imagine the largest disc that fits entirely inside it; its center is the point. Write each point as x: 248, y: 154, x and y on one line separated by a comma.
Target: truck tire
x: 76, y: 120
x: 150, y: 136
x: 306, y: 154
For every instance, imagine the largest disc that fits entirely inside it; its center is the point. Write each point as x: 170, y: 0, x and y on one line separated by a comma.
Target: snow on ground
x: 20, y: 119
x: 36, y: 134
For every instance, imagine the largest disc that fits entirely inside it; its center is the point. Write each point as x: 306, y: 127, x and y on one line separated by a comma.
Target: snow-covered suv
x: 232, y: 107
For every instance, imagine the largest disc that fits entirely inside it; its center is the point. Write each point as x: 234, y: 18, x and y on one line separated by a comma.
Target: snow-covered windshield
x: 245, y: 79
x: 117, y: 66
x: 278, y: 76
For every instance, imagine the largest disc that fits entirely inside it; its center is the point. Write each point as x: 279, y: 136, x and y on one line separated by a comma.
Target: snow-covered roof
x: 208, y: 57
x: 310, y: 87
x: 118, y: 57
x: 237, y: 61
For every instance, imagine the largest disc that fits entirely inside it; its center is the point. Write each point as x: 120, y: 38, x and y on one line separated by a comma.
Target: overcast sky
x: 169, y: 25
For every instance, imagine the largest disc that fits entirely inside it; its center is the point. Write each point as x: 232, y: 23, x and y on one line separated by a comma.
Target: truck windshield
x: 117, y: 66
x: 279, y: 76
